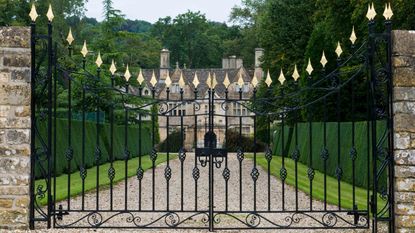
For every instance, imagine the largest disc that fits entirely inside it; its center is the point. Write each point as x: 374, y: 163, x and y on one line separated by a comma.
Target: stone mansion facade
x: 232, y: 67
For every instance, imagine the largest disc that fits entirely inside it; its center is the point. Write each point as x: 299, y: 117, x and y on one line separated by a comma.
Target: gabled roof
x: 203, y: 74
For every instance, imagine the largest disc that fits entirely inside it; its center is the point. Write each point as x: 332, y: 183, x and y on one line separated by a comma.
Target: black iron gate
x: 306, y: 154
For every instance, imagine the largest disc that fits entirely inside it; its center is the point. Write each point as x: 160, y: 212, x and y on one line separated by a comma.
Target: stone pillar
x: 404, y: 130
x: 14, y: 127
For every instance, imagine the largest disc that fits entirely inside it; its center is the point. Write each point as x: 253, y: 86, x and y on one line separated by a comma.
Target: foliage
x: 362, y: 146
x: 174, y: 142
x: 197, y: 42
x: 234, y: 141
x: 90, y: 144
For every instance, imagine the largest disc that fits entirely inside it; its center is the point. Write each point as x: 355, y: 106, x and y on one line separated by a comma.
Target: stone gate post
x: 14, y: 127
x: 404, y: 130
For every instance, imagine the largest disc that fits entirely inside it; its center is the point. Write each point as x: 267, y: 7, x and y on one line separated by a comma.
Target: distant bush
x: 175, y: 143
x: 234, y: 141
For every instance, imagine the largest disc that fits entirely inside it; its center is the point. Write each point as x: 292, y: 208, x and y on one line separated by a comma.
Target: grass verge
x: 90, y: 180
x: 346, y: 197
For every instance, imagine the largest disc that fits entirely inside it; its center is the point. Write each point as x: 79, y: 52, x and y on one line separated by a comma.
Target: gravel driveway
x: 223, y: 221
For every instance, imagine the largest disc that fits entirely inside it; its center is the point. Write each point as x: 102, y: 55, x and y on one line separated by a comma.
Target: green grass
x: 90, y: 181
x: 318, y: 183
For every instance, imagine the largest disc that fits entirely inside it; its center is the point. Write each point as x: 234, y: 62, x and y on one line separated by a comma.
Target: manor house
x: 232, y: 67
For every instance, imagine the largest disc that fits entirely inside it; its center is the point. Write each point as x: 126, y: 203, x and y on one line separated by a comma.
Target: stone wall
x: 14, y: 127
x: 404, y: 120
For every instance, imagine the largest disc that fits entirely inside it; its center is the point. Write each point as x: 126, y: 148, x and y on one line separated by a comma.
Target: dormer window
x: 245, y: 88
x: 175, y: 88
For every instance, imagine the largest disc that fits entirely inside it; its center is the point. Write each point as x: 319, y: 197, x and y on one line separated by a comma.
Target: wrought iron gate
x: 322, y: 115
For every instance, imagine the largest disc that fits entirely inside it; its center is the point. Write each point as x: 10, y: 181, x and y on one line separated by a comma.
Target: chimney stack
x: 164, y: 63
x: 259, y: 52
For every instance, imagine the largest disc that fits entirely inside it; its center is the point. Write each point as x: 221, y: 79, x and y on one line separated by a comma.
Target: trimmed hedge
x: 361, y: 162
x: 90, y: 144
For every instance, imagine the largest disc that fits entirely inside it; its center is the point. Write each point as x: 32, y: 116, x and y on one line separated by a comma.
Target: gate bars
x: 289, y: 113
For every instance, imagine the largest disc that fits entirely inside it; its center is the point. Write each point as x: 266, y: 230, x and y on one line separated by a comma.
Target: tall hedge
x: 361, y: 145
x: 90, y: 144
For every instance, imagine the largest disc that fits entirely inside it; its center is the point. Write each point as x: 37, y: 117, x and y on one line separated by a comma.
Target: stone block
x: 405, y: 222
x: 404, y: 122
x: 405, y: 157
x: 405, y: 209
x: 404, y: 77
x: 16, y: 60
x: 13, y: 217
x: 5, y: 110
x: 402, y: 141
x: 22, y: 111
x: 404, y: 42
x: 14, y: 94
x: 16, y: 164
x: 403, y: 61
x: 14, y: 179
x: 21, y: 75
x: 5, y: 76
x: 15, y: 37
x: 15, y: 123
x: 13, y: 190
x: 22, y: 202
x: 405, y: 197
x: 405, y: 107
x: 405, y: 184
x: 15, y: 150
x: 405, y: 171
x: 404, y: 94
x: 17, y: 136
x: 6, y: 203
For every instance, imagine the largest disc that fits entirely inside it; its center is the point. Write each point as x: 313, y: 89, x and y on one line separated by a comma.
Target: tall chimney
x: 164, y: 63
x: 259, y: 52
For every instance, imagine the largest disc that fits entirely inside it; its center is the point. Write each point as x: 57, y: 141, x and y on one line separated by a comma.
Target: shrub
x: 234, y: 141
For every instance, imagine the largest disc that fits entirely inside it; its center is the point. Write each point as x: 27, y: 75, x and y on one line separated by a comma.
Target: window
x: 245, y: 88
x: 175, y: 88
x: 146, y: 92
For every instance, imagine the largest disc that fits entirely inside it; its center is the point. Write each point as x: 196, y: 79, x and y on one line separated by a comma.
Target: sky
x: 152, y: 10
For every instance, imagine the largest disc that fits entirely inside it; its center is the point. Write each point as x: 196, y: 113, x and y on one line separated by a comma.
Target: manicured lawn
x: 318, y: 183
x: 90, y: 181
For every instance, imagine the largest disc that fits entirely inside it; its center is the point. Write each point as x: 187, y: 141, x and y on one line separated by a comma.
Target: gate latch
x: 356, y: 214
x: 60, y: 213
x: 203, y: 154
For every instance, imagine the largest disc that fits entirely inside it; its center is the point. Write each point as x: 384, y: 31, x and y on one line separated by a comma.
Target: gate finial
x: 296, y: 75
x: 49, y: 14
x: 353, y: 37
x: 371, y: 12
x: 99, y: 60
x: 339, y: 49
x: 323, y: 60
x: 70, y: 38
x: 388, y: 13
x: 268, y: 80
x: 309, y: 67
x: 84, y: 50
x: 33, y: 13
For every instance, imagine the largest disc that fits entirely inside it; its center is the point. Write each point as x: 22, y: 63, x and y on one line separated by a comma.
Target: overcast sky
x: 152, y: 10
